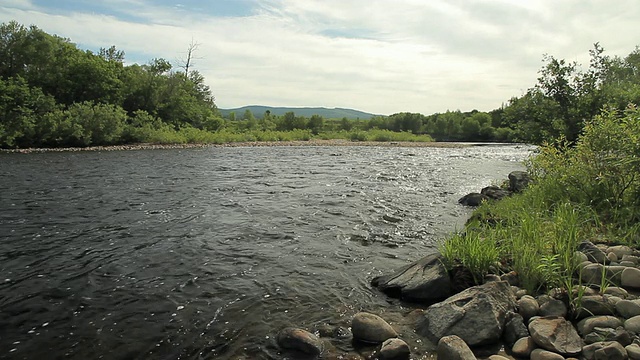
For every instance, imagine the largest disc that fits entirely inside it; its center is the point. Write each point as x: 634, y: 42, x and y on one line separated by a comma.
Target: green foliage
x: 478, y: 255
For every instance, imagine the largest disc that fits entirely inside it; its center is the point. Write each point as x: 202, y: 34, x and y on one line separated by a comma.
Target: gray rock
x: 620, y: 250
x: 592, y: 273
x: 497, y: 357
x: 608, y: 334
x: 518, y: 181
x: 477, y: 315
x: 633, y: 351
x: 495, y: 192
x: 528, y: 307
x: 371, y: 328
x: 631, y: 258
x: 587, y: 325
x: 613, y: 258
x: 556, y: 335
x: 299, y: 340
x: 616, y: 291
x: 605, y: 350
x: 425, y: 280
x: 514, y: 329
x: 627, y: 308
x: 473, y: 199
x: 594, y: 305
x: 394, y: 349
x: 594, y: 254
x: 453, y: 347
x: 511, y: 277
x: 553, y: 307
x: 633, y: 324
x: 541, y: 354
x: 630, y: 278
x: 523, y: 347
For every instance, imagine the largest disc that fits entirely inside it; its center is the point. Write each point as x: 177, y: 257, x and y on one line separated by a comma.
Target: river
x: 207, y: 253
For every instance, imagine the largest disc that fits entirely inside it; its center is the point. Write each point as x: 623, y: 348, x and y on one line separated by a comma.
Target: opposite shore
x: 335, y: 142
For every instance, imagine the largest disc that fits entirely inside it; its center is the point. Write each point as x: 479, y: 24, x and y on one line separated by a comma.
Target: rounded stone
x: 630, y: 277
x: 453, y: 347
x: 553, y: 307
x: 620, y: 250
x: 497, y: 357
x: 371, y: 328
x: 612, y: 257
x: 633, y: 351
x: 528, y: 307
x: 627, y: 308
x: 633, y: 324
x: 540, y: 354
x: 394, y: 349
x: 616, y: 291
x: 605, y: 350
x: 523, y: 347
x: 300, y: 340
x: 587, y: 325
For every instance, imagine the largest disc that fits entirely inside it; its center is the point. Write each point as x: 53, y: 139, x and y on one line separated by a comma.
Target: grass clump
x: 582, y: 191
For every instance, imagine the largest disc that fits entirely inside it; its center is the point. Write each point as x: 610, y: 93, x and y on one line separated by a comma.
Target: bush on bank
x: 589, y: 190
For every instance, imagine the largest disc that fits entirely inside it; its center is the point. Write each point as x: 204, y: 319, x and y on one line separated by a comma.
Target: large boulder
x: 477, y: 315
x: 518, y: 180
x: 495, y: 192
x: 473, y: 199
x: 371, y: 328
x: 425, y: 280
x: 555, y: 334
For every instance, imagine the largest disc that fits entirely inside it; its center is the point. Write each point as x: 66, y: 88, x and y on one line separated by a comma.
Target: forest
x: 53, y: 94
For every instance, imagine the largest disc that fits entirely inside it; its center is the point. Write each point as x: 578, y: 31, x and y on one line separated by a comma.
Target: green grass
x: 587, y: 191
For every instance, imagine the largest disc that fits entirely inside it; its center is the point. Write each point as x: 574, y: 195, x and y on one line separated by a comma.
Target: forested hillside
x: 53, y: 94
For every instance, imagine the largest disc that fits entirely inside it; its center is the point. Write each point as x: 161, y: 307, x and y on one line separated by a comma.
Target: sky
x: 378, y: 56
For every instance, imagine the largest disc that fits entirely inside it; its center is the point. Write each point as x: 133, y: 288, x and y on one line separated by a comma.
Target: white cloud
x: 377, y: 56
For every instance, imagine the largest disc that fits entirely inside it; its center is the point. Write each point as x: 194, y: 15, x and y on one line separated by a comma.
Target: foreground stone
x: 477, y: 315
x: 394, y: 349
x: 556, y: 334
x: 523, y: 347
x: 425, y: 280
x: 609, y: 350
x: 300, y: 340
x: 371, y: 328
x: 473, y: 199
x: 453, y: 347
x: 541, y: 354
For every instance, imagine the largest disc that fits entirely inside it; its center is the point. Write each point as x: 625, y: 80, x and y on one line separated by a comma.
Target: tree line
x: 53, y: 94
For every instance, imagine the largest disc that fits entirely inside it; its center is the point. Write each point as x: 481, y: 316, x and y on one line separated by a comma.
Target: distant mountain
x: 336, y: 113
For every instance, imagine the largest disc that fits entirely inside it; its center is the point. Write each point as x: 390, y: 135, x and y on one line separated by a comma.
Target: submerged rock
x: 425, y: 280
x: 300, y: 340
x: 477, y: 315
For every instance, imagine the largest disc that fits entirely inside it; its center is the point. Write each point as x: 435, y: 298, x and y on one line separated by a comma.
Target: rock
x: 518, y: 181
x: 594, y: 254
x: 627, y: 308
x: 540, y: 354
x: 523, y: 347
x: 514, y: 329
x: 371, y: 328
x: 473, y: 199
x: 616, y: 291
x: 495, y: 192
x: 425, y: 280
x: 633, y: 351
x: 391, y: 219
x: 553, y: 307
x: 453, y: 347
x: 594, y: 305
x: 299, y: 340
x: 618, y: 334
x: 631, y: 258
x: 592, y: 274
x: 511, y: 277
x: 630, y: 277
x: 477, y: 314
x: 613, y: 258
x: 556, y: 335
x: 620, y: 250
x: 605, y: 350
x: 587, y: 325
x: 394, y: 349
x: 633, y: 325
x: 497, y: 357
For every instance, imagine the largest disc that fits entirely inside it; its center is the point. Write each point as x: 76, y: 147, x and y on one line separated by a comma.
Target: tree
x: 315, y: 124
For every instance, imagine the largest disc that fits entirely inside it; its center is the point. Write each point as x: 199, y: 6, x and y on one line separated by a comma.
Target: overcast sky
x: 378, y: 56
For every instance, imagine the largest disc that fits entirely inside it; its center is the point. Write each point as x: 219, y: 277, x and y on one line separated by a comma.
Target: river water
x: 207, y: 253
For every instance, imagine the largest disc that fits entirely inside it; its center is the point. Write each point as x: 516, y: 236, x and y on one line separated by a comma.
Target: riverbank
x: 335, y: 142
